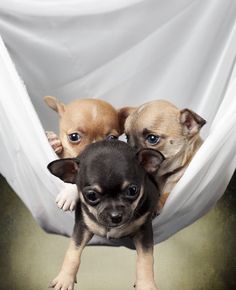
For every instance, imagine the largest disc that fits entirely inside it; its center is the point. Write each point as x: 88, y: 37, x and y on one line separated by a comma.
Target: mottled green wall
x: 201, y: 256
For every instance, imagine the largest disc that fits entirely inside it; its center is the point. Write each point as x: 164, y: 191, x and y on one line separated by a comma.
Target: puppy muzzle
x: 111, y: 218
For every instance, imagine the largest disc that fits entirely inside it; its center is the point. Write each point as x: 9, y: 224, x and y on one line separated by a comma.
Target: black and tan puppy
x: 117, y: 199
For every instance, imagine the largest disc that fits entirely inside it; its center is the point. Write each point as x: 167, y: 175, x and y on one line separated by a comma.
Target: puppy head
x: 110, y: 177
x: 84, y: 121
x: 162, y: 126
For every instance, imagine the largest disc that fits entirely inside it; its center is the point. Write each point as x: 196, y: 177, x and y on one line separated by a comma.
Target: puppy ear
x: 192, y: 122
x: 150, y: 160
x: 66, y: 169
x: 54, y: 104
x: 123, y: 114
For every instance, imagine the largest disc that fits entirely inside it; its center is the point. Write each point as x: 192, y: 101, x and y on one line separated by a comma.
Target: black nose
x: 116, y: 217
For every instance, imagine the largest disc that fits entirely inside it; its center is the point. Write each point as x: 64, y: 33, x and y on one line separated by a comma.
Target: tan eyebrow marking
x: 96, y: 187
x: 125, y: 184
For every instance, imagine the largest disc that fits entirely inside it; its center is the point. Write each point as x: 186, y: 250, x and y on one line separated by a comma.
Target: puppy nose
x: 116, y: 217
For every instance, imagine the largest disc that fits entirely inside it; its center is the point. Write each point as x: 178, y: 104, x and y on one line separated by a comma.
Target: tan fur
x: 91, y: 209
x: 94, y: 227
x: 144, y: 268
x: 136, y: 202
x: 67, y: 276
x: 93, y: 119
x: 177, y: 143
x: 127, y: 230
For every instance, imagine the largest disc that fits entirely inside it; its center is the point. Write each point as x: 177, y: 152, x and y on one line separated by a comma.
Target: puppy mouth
x: 119, y: 226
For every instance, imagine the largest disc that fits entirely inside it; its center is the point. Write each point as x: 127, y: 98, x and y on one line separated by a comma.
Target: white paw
x: 54, y: 141
x: 63, y: 281
x: 68, y: 197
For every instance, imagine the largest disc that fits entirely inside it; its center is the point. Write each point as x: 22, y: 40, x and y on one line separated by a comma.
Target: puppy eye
x: 132, y: 192
x: 111, y: 137
x: 92, y: 196
x: 74, y: 137
x: 127, y: 138
x: 153, y: 139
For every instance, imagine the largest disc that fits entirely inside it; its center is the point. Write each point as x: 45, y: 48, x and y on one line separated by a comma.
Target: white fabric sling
x: 125, y: 52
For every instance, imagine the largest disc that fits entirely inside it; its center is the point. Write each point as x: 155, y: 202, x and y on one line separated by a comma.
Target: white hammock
x: 125, y: 52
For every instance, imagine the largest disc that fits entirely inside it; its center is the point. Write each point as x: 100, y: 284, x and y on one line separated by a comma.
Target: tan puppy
x: 163, y: 127
x: 81, y: 122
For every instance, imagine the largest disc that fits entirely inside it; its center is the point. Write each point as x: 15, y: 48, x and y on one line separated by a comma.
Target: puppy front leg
x: 67, y: 276
x: 143, y: 241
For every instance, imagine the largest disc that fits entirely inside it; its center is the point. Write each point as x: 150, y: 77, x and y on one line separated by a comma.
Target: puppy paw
x: 145, y: 286
x: 68, y: 197
x: 63, y: 281
x: 54, y: 141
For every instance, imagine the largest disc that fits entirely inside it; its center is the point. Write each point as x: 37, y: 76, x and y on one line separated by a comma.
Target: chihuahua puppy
x: 81, y: 122
x: 117, y: 199
x: 161, y: 126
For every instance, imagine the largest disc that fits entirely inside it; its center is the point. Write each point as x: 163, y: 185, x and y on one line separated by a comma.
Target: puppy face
x: 109, y: 191
x: 111, y: 179
x: 162, y: 126
x: 83, y: 122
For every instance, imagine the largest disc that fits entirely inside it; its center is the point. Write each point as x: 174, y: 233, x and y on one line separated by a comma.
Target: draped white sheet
x: 125, y: 52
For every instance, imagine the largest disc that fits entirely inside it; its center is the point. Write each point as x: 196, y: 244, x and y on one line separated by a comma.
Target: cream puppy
x: 161, y: 126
